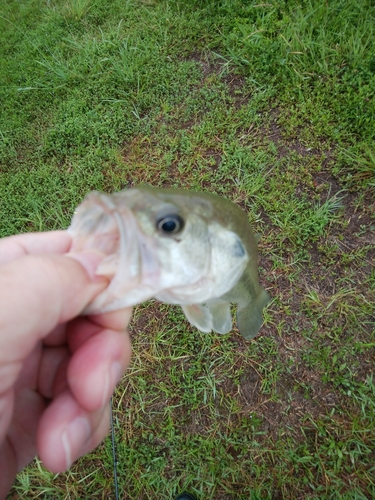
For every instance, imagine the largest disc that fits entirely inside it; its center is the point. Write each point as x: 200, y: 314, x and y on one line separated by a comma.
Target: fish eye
x: 170, y: 224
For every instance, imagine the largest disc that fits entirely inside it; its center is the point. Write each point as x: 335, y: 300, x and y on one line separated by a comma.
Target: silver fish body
x: 180, y: 247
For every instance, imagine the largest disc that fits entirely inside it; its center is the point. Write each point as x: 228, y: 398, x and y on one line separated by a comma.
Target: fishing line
x: 113, y: 450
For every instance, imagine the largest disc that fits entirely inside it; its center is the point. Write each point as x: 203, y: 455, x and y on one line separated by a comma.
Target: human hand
x: 57, y: 369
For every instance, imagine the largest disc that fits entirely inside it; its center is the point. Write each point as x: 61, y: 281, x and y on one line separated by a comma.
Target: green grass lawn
x: 273, y: 106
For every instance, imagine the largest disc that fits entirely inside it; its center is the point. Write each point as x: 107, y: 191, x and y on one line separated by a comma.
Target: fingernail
x: 76, y: 434
x: 90, y: 260
x: 111, y: 378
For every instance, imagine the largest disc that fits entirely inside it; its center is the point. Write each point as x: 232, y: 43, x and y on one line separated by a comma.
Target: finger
x: 52, y: 371
x: 67, y: 431
x: 8, y: 467
x: 19, y: 447
x: 97, y: 366
x: 36, y: 294
x: 57, y: 336
x: 28, y: 375
x: 115, y: 320
x: 82, y: 328
x: 14, y: 247
x: 27, y: 411
x: 6, y: 412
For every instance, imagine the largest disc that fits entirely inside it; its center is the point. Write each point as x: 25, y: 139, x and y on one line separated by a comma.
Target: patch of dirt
x: 213, y: 155
x: 207, y: 63
x: 275, y: 133
x: 237, y: 90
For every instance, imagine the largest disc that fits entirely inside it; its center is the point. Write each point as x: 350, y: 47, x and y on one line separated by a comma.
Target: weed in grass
x: 359, y: 165
x: 77, y: 9
x: 299, y: 220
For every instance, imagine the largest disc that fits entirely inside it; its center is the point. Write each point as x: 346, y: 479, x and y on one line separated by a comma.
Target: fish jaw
x: 97, y: 224
x: 94, y: 225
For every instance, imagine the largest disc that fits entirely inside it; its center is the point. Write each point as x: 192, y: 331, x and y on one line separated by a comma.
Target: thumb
x: 38, y: 292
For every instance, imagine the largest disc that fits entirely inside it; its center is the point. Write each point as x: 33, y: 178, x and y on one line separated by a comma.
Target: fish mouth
x: 98, y: 225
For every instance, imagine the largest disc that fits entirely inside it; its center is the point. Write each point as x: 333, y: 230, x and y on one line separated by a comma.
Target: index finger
x: 50, y: 242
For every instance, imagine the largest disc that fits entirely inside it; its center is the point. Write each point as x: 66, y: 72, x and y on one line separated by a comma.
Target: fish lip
x: 91, y: 220
x: 130, y: 260
x: 128, y: 251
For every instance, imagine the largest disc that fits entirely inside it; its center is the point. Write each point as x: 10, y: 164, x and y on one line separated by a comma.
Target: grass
x: 268, y: 104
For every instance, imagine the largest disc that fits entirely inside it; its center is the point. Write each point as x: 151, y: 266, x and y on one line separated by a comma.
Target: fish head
x: 158, y: 243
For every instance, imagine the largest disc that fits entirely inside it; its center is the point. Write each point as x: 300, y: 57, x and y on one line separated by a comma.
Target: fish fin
x: 221, y: 317
x: 257, y: 237
x: 199, y: 316
x: 249, y: 318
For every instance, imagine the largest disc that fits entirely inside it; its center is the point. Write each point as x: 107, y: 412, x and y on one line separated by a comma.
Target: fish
x: 194, y: 249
